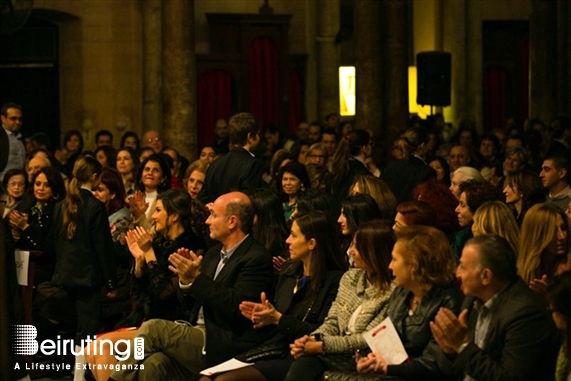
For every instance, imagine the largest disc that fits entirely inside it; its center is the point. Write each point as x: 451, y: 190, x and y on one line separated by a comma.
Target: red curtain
x: 524, y: 81
x: 214, y: 102
x: 495, y: 114
x: 295, y: 102
x: 263, y: 80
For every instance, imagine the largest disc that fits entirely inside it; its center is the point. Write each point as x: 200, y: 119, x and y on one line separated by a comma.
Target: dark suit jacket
x: 87, y: 260
x: 403, y: 175
x: 521, y: 344
x: 236, y: 171
x: 247, y: 273
x: 302, y: 315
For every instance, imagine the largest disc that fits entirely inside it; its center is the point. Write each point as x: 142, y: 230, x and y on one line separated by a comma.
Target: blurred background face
x: 100, y: 156
x: 315, y: 157
x: 42, y: 189
x: 435, y: 164
x: 207, y: 154
x: 103, y: 194
x: 131, y: 142
x: 16, y: 186
x: 291, y: 184
x: 124, y: 163
x: 72, y: 145
x: 195, y: 183
x: 465, y: 215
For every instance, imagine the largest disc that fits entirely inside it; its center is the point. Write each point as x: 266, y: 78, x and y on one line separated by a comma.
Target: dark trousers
x: 88, y: 306
x: 308, y: 368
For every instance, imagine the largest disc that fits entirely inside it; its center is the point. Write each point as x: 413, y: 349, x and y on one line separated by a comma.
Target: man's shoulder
x: 519, y: 300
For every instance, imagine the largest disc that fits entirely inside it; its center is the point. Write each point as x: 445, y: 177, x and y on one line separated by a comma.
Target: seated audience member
x: 32, y: 222
x: 355, y: 211
x: 544, y: 246
x: 105, y: 155
x: 360, y: 305
x: 212, y: 289
x: 15, y: 183
x: 459, y: 156
x: 103, y: 138
x: 440, y: 166
x: 270, y: 228
x: 131, y: 140
x: 315, y: 200
x: 523, y: 190
x: 299, y: 151
x: 280, y: 158
x: 403, y: 175
x: 238, y: 169
x: 495, y: 217
x: 207, y: 155
x: 329, y: 140
x: 504, y: 331
x: 555, y: 172
x: 153, y: 140
x: 490, y: 150
x: 71, y: 149
x: 423, y: 269
x: 442, y: 201
x: 293, y: 180
x: 144, y: 153
x: 304, y: 294
x: 516, y: 161
x: 153, y: 178
x: 463, y: 174
x: 314, y: 132
x: 558, y: 297
x: 379, y: 191
x: 472, y: 195
x: 34, y: 165
x: 194, y: 177
x: 127, y: 163
x: 316, y: 154
x: 177, y: 166
x: 414, y: 212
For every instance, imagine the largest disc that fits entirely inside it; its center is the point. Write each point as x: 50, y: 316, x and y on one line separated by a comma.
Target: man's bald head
x: 239, y: 205
x: 35, y: 164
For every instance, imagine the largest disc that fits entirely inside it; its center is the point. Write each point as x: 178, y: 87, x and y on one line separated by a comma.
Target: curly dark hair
x: 192, y: 213
x: 478, y: 192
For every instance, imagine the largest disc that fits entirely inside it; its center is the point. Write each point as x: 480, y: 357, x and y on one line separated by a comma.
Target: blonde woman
x: 377, y: 189
x: 495, y: 217
x: 544, y: 246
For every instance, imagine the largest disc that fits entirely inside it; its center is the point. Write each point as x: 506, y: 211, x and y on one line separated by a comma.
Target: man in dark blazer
x: 239, y: 170
x: 212, y: 287
x: 504, y: 331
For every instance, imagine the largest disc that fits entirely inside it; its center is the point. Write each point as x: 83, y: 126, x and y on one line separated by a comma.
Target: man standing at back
x: 11, y: 116
x: 239, y: 269
x: 504, y: 331
x: 239, y: 170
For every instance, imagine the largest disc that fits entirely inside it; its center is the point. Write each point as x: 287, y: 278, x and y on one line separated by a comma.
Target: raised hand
x: 137, y: 204
x: 539, y: 286
x: 17, y: 220
x: 278, y: 263
x: 131, y: 238
x: 186, y: 264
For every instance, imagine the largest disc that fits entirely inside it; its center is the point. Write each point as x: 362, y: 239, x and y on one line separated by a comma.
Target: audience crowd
x: 282, y: 251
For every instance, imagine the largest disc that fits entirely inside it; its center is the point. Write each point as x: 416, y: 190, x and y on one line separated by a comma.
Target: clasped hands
x: 18, y: 220
x: 450, y: 332
x: 305, y: 345
x: 186, y: 264
x: 261, y: 314
x: 373, y: 363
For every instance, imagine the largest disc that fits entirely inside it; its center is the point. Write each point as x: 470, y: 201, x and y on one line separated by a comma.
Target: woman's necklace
x: 413, y: 305
x: 300, y: 282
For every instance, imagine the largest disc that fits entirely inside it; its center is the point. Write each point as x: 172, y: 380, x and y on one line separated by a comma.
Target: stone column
x: 179, y: 76
x: 563, y: 57
x: 152, y: 80
x: 368, y: 65
x: 474, y: 64
x: 454, y: 40
x: 395, y: 37
x: 327, y: 57
x: 543, y: 60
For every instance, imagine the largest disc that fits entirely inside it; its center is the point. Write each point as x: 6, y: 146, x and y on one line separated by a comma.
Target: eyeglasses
x: 153, y: 140
x: 15, y: 184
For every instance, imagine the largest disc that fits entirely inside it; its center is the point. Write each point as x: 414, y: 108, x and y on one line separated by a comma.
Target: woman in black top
x: 305, y: 291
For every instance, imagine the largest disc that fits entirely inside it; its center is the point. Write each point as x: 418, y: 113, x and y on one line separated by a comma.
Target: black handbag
x: 271, y: 349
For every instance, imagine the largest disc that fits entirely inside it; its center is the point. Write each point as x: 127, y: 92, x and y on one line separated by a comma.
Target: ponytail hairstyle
x: 411, y: 140
x: 349, y: 145
x: 83, y: 170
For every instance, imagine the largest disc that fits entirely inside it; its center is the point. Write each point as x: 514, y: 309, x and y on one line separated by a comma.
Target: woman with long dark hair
x: 305, y: 291
x: 127, y: 163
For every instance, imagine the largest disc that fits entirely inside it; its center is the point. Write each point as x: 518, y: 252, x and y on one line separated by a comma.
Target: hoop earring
x: 56, y: 196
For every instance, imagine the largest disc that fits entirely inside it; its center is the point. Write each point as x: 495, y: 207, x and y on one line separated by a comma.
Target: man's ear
x: 486, y: 276
x: 563, y: 173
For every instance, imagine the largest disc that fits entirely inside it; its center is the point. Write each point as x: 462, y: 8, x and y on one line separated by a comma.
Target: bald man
x: 213, y: 286
x: 153, y: 140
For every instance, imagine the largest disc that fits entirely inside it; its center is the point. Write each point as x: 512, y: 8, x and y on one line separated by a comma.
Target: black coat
x: 236, y: 171
x: 403, y: 175
x: 521, y: 343
x: 246, y: 274
x: 88, y: 260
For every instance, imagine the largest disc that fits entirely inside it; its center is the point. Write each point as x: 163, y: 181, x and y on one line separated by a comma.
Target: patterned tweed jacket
x: 354, y: 290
